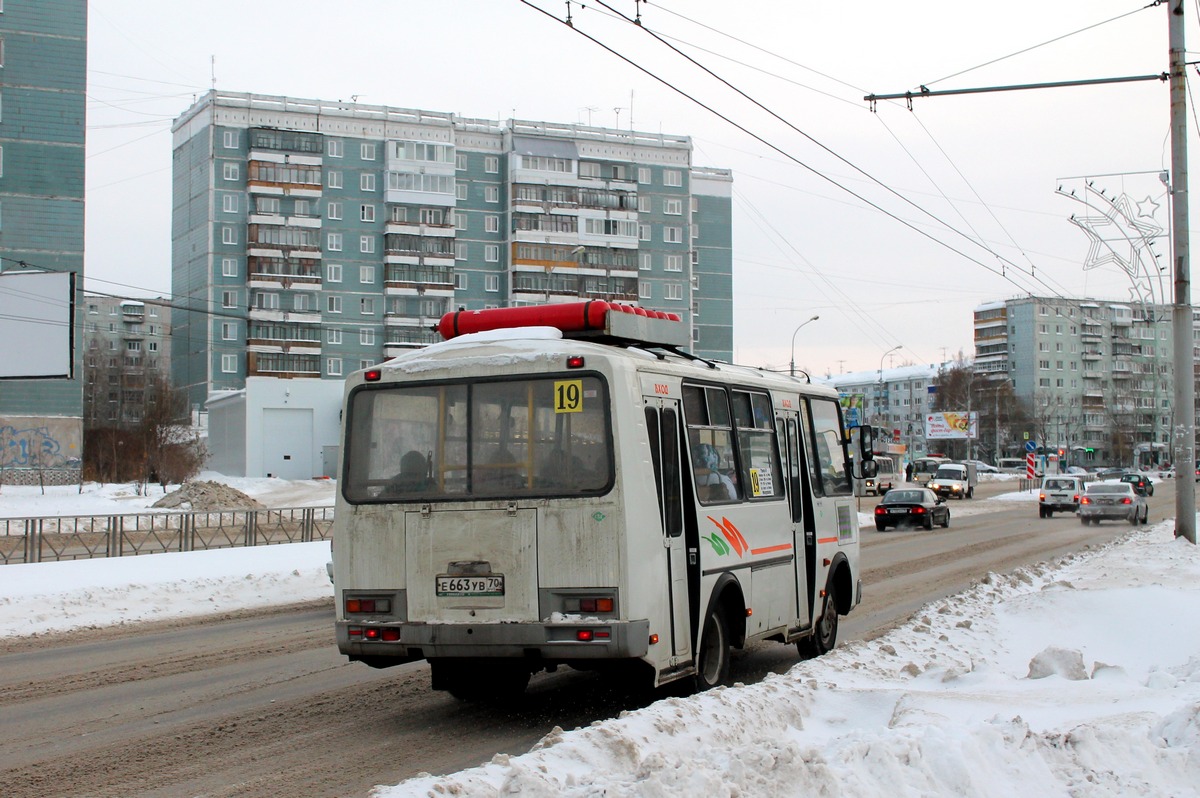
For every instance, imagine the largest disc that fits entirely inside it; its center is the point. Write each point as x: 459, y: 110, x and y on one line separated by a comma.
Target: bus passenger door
x: 800, y: 503
x: 663, y: 426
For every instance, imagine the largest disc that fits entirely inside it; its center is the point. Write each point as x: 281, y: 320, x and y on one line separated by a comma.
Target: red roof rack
x: 593, y: 319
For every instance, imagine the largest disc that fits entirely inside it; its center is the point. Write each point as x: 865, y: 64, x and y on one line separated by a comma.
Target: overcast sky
x: 954, y: 171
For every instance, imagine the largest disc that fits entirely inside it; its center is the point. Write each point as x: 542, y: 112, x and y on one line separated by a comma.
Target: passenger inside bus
x: 413, y: 476
x: 500, y: 471
x: 712, y: 485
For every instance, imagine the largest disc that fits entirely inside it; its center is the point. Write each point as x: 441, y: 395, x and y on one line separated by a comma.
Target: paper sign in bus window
x: 568, y: 396
x: 761, y: 482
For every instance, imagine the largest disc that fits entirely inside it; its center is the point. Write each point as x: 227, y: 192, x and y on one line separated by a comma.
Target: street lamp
x: 879, y: 398
x: 792, y: 368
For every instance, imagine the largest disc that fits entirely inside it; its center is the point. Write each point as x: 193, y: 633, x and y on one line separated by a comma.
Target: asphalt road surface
x: 261, y: 704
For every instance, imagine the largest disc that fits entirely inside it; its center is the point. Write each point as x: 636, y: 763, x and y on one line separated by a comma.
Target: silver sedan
x: 1115, y: 501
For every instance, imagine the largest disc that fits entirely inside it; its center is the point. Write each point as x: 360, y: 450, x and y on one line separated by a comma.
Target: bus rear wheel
x: 824, y: 636
x: 712, y: 660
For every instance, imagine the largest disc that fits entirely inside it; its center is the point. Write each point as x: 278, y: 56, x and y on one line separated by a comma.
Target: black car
x: 911, y: 507
x: 1109, y: 473
x: 1141, y: 482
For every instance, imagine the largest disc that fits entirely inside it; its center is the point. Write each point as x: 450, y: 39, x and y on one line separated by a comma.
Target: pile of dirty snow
x: 207, y: 496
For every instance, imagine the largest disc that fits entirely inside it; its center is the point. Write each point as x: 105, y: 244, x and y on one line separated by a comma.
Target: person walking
x: 908, y: 471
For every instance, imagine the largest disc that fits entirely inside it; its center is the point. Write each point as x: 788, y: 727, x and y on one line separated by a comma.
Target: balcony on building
x: 277, y: 178
x: 282, y: 364
x: 404, y: 338
x: 284, y: 336
x: 417, y: 250
x: 435, y: 222
x: 283, y: 242
x: 1090, y: 329
x: 594, y: 261
x: 280, y: 273
x: 559, y: 287
x: 405, y: 279
x: 133, y: 312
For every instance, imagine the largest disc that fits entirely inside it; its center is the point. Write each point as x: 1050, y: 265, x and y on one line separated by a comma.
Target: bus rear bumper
x: 551, y: 642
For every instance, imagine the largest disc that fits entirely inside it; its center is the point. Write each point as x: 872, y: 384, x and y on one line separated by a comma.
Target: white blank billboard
x: 36, y: 313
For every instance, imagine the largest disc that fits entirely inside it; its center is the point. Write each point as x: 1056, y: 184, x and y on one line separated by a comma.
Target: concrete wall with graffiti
x: 40, y: 443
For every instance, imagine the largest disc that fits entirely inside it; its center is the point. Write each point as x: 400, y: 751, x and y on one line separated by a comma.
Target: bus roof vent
x: 608, y: 322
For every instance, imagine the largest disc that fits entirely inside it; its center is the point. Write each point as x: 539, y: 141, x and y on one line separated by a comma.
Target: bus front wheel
x: 712, y: 660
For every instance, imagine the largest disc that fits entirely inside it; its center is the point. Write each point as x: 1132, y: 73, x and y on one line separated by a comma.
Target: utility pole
x: 1181, y: 315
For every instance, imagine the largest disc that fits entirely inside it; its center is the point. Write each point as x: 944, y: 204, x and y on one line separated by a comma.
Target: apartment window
x: 267, y: 206
x: 366, y: 244
x: 432, y: 215
x: 491, y: 164
x: 367, y: 150
x: 366, y: 336
x: 266, y: 300
x: 366, y: 213
x: 333, y: 273
x: 672, y: 291
x: 460, y: 281
x: 491, y: 224
x: 673, y: 207
x: 229, y: 331
x: 460, y: 250
x: 491, y: 253
x: 333, y: 336
x: 336, y: 148
x: 491, y: 282
x: 333, y: 304
x: 334, y: 242
x: 672, y: 177
x: 460, y: 220
x: 229, y: 171
x: 333, y: 366
x: 366, y: 306
x: 366, y: 275
x: 230, y: 139
x: 333, y: 210
x: 229, y: 364
x: 645, y: 290
x: 643, y: 204
x: 334, y: 179
x: 643, y: 232
x: 491, y: 193
x: 228, y: 235
x: 645, y: 261
x: 673, y: 235
x: 366, y: 181
x: 460, y: 161
x: 93, y: 309
x: 229, y: 203
x: 229, y: 299
x: 673, y: 263
x: 365, y: 364
x: 644, y: 175
x: 460, y: 191
x: 1043, y: 364
x: 229, y: 267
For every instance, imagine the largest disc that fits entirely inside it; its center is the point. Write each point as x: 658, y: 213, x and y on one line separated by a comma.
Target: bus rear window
x: 478, y: 440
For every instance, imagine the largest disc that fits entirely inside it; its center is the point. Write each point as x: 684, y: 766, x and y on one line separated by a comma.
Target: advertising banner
x: 951, y: 425
x: 852, y: 408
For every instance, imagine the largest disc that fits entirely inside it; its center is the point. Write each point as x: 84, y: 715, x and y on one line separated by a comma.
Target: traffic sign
x: 1030, y: 446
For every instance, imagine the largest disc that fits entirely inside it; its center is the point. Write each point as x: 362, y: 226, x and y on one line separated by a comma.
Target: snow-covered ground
x: 1075, y: 678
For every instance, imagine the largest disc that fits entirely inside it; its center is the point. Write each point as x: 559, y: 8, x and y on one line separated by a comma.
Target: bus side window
x: 710, y: 438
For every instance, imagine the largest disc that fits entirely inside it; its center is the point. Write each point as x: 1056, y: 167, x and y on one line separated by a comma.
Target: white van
x: 1011, y: 465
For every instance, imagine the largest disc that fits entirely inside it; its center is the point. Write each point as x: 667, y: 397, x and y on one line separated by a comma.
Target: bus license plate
x: 492, y: 585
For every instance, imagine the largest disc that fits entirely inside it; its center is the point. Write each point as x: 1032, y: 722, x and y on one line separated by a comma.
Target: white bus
x: 513, y: 500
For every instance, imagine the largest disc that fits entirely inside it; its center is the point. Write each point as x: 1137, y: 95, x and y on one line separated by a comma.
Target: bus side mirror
x: 866, y: 442
x: 869, y: 469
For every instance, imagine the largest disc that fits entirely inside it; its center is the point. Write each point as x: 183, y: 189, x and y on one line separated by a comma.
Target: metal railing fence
x: 80, y: 537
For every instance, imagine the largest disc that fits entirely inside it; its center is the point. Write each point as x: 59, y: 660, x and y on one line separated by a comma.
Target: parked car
x: 1109, y: 473
x: 910, y: 507
x: 1140, y: 480
x: 1115, y: 501
x: 1059, y: 493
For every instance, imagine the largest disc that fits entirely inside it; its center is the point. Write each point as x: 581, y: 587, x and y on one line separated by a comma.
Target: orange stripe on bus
x: 827, y: 540
x: 769, y: 549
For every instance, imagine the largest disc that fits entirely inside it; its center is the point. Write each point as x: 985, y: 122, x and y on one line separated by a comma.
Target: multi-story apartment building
x: 313, y: 238
x: 43, y: 60
x: 126, y: 345
x: 1094, y: 375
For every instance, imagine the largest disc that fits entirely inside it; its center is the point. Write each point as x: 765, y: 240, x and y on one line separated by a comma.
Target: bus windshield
x: 498, y: 439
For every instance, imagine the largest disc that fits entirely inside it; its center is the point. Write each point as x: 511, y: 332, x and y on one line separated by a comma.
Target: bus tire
x: 824, y: 636
x: 712, y: 660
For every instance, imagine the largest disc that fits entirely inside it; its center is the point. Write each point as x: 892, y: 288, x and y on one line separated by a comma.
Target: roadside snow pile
x: 207, y: 496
